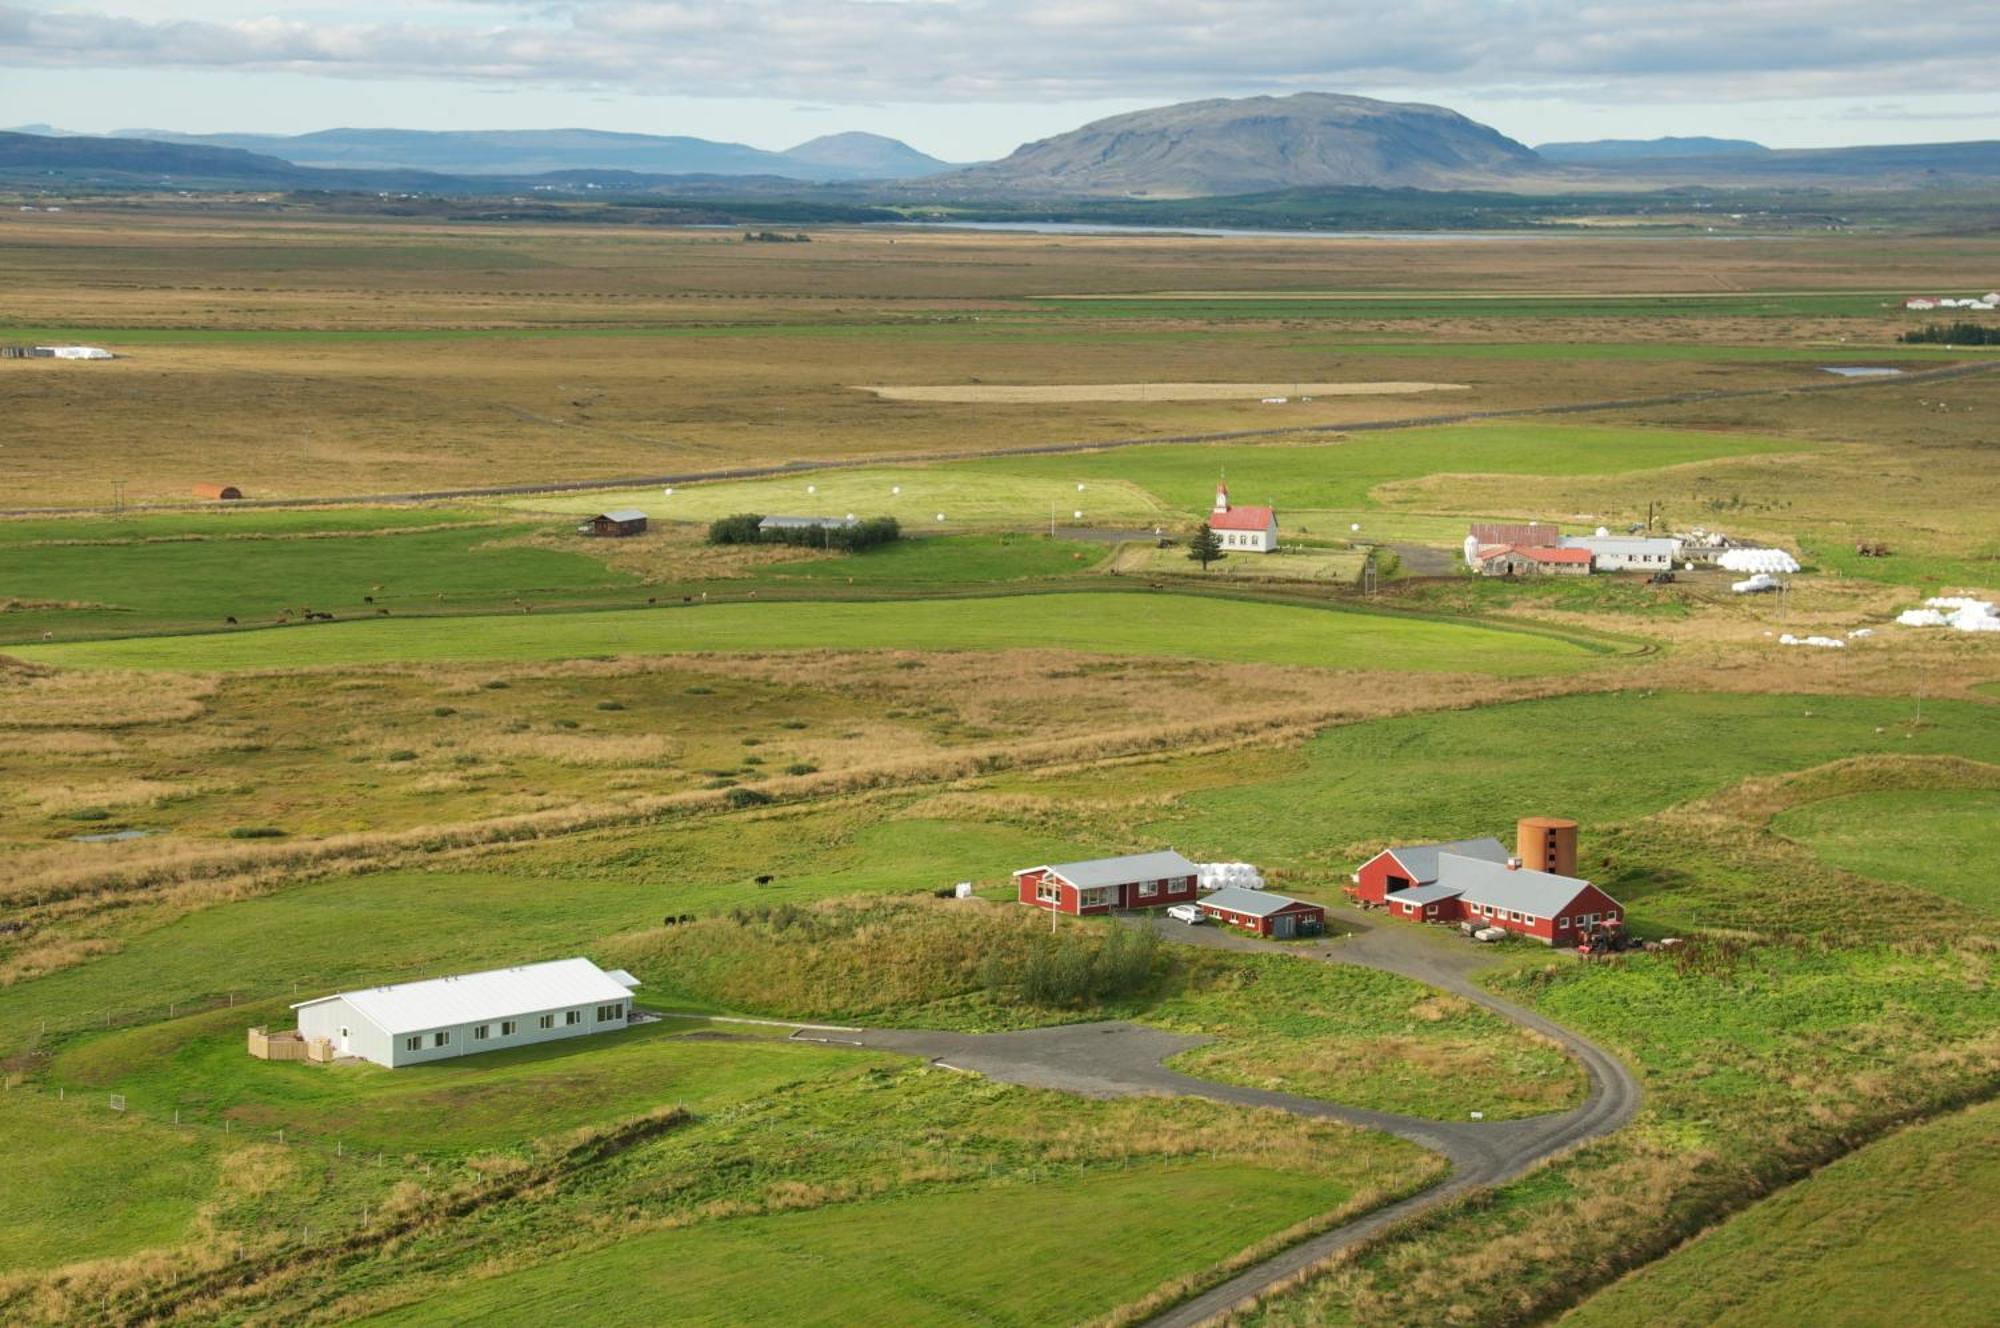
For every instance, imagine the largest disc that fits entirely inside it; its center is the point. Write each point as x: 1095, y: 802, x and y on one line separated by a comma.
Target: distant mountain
x: 865, y: 156
x: 1882, y: 166
x: 133, y: 157
x: 527, y: 152
x: 1600, y: 150
x: 1308, y: 140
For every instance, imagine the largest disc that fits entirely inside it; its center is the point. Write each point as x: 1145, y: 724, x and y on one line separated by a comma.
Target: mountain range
x: 526, y: 152
x: 1202, y: 149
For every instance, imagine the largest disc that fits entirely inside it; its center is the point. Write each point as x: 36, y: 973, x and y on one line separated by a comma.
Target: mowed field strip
x: 1098, y: 622
x: 1037, y: 393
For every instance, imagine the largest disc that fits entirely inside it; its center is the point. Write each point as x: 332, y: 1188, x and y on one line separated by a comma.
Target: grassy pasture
x: 1343, y: 474
x: 1933, y: 840
x: 157, y: 586
x: 887, y: 1262
x: 969, y: 499
x: 1121, y: 623
x: 1891, y: 1232
x: 499, y: 1100
x: 86, y: 1183
x: 1448, y: 308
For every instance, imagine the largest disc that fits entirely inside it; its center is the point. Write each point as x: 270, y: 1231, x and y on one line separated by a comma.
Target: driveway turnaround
x: 1114, y: 1058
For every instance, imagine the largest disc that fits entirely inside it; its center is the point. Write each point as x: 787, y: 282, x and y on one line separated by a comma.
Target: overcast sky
x: 971, y: 79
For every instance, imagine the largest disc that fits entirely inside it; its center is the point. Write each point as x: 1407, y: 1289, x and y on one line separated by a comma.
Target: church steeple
x: 1222, y: 495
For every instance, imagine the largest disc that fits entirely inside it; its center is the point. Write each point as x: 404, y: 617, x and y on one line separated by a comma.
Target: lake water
x: 1860, y: 370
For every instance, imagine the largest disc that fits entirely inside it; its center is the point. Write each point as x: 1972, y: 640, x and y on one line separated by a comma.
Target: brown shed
x: 217, y: 491
x: 623, y: 521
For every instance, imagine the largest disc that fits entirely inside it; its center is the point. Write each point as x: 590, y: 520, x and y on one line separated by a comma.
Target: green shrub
x: 401, y: 754
x: 610, y: 705
x: 793, y: 724
x: 91, y: 814
x: 801, y: 768
x: 495, y: 684
x: 745, y: 797
x: 738, y: 529
x: 444, y: 712
x: 566, y: 724
x: 256, y: 832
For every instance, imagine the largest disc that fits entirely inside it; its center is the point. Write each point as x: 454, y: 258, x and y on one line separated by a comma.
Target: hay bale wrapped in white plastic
x: 1767, y: 561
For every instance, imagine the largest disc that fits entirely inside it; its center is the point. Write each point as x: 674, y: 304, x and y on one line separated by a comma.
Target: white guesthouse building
x: 438, y: 1018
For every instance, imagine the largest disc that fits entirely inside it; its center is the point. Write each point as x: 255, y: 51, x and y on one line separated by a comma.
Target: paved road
x: 1115, y: 1058
x: 1059, y: 448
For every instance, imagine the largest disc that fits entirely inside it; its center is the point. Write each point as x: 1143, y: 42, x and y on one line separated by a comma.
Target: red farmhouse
x: 1475, y: 880
x: 1265, y: 914
x: 1143, y: 880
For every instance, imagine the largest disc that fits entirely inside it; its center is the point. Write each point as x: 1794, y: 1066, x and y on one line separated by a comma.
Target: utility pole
x: 118, y: 495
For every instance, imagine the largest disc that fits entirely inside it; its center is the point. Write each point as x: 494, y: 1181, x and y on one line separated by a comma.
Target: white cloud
x: 849, y: 51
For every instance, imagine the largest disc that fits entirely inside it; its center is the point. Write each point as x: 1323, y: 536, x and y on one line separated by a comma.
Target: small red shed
x: 1099, y: 885
x: 1266, y: 914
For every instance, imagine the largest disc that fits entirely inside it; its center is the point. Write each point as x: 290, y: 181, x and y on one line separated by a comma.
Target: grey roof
x: 1521, y: 889
x: 1096, y: 872
x: 1252, y: 903
x: 622, y: 514
x: 1426, y: 894
x: 1421, y: 860
x: 804, y: 522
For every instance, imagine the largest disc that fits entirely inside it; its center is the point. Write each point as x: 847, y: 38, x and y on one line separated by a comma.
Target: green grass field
x: 159, y: 586
x: 955, y: 560
x: 1933, y: 840
x: 968, y: 499
x: 1110, y: 623
x: 85, y: 1183
x: 1449, y: 309
x: 1341, y: 475
x: 197, y: 1065
x: 1899, y: 1232
x: 1056, y: 1251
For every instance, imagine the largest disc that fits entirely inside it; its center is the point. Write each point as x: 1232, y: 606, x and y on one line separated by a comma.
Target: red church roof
x: 1242, y: 518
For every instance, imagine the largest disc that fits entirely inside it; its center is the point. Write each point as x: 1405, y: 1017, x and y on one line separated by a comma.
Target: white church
x: 1243, y: 529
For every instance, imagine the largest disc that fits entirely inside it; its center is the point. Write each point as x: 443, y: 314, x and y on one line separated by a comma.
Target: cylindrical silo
x: 1547, y: 843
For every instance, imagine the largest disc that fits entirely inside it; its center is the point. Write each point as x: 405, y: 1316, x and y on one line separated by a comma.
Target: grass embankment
x: 1895, y: 1232
x: 1935, y: 840
x: 1760, y: 1064
x: 1123, y: 623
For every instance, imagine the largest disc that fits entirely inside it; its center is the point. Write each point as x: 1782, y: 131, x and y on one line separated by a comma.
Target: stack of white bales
x: 1220, y: 875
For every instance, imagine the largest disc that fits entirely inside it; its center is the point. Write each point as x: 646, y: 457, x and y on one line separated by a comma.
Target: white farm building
x: 438, y: 1018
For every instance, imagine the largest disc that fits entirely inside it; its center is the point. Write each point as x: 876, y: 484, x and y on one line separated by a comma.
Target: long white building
x: 1626, y: 553
x: 438, y: 1018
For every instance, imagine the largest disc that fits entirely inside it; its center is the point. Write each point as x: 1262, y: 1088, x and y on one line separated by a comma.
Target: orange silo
x: 1547, y: 843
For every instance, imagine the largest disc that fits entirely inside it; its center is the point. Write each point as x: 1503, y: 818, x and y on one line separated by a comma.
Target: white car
x: 1188, y: 913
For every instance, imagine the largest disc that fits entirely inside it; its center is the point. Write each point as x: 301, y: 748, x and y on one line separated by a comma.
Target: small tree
x: 1205, y: 547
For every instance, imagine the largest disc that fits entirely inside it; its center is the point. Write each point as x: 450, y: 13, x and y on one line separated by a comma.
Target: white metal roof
x: 1117, y: 871
x: 499, y: 993
x: 1250, y: 903
x: 623, y: 514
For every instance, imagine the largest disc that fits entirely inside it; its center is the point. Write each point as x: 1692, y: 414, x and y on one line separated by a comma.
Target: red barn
x: 1555, y: 910
x: 1416, y: 864
x: 1140, y: 880
x: 1266, y: 914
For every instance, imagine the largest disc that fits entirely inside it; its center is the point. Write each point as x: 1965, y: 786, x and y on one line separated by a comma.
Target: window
x: 1513, y: 917
x: 1048, y: 892
x: 1529, y: 919
x: 414, y: 1043
x: 1147, y: 889
x: 1590, y: 919
x: 606, y: 1013
x: 440, y: 1039
x: 547, y: 1021
x: 571, y: 1018
x: 479, y: 1032
x: 1562, y: 924
x: 507, y: 1027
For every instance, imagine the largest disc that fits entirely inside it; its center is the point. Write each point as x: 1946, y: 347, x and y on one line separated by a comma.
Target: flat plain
x: 742, y: 772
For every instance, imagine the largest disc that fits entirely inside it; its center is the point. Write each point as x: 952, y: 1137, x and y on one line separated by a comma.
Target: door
x: 344, y: 1045
x: 1282, y: 925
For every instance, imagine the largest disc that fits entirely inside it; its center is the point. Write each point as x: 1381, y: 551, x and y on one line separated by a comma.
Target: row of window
x: 1232, y: 539
x: 508, y: 1027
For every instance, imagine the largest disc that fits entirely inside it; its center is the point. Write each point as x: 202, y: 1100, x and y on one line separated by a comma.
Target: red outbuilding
x: 1476, y: 880
x: 1264, y: 913
x: 1140, y: 880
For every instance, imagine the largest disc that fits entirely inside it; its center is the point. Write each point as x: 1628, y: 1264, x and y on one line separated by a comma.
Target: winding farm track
x: 1049, y: 449
x: 1114, y: 1058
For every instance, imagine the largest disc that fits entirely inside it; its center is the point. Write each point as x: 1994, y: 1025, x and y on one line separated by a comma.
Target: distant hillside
x: 865, y: 156
x: 1885, y: 166
x: 1309, y: 140
x: 141, y: 158
x: 530, y: 152
x: 1600, y: 150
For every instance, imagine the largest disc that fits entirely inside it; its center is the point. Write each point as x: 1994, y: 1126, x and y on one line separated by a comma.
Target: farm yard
x: 257, y: 753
